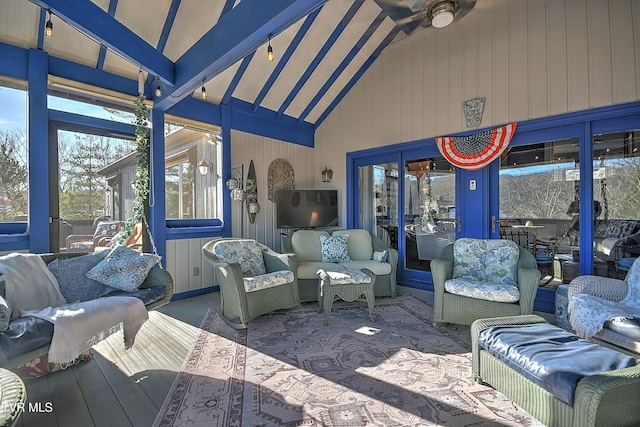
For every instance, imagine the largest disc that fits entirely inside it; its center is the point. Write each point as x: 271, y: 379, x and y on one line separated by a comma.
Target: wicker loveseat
x: 361, y: 246
x: 605, y: 398
x: 610, y: 236
x: 25, y: 344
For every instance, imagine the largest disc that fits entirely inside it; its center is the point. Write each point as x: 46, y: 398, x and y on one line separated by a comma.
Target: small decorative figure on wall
x: 473, y: 110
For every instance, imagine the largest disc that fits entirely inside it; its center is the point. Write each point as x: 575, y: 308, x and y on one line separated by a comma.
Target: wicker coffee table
x: 348, y: 285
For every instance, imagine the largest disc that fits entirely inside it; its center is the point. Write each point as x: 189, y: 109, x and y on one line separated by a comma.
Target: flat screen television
x: 306, y: 208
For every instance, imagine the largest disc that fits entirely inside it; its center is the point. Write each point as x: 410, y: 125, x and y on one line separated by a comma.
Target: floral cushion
x: 380, y: 256
x: 71, y: 275
x: 246, y: 252
x: 486, y: 260
x: 5, y: 314
x: 345, y: 277
x: 41, y: 366
x: 617, y: 229
x: 268, y: 280
x: 123, y: 268
x: 334, y: 248
x: 498, y: 292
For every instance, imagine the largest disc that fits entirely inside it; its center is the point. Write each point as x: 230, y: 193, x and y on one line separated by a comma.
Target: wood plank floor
x: 119, y: 387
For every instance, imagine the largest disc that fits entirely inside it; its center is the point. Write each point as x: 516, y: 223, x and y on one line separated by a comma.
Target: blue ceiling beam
x: 236, y: 79
x: 89, y: 18
x: 401, y: 14
x: 264, y: 122
x: 320, y: 55
x: 92, y: 76
x: 168, y: 24
x: 343, y: 65
x: 41, y: 26
x: 227, y: 7
x: 113, y: 4
x: 14, y: 62
x: 357, y: 76
x: 237, y: 33
x: 285, y: 57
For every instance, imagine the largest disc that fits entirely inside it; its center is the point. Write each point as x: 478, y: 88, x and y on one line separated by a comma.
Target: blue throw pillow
x: 123, y: 268
x: 71, y: 275
x: 334, y: 248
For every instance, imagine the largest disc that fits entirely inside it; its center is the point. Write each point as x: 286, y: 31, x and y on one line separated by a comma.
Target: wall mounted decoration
x: 474, y: 152
x: 280, y: 177
x: 473, y: 110
x: 251, y: 192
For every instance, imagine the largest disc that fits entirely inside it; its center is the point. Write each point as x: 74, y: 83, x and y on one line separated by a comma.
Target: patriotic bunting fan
x: 474, y: 152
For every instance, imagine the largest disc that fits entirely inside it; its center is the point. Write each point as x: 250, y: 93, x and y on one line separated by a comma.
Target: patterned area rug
x: 287, y: 369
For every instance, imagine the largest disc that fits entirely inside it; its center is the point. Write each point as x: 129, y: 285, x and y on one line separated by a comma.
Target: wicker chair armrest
x: 602, y: 287
x: 610, y: 397
x: 274, y: 261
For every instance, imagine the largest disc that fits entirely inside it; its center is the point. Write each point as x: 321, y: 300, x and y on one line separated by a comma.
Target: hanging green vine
x: 141, y: 181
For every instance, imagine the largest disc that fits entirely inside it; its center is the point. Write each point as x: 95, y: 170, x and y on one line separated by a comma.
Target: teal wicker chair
x: 253, y: 279
x: 479, y: 278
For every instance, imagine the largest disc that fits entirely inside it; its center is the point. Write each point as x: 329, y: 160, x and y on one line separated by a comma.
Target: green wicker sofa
x: 361, y: 246
x: 13, y: 354
x: 604, y: 399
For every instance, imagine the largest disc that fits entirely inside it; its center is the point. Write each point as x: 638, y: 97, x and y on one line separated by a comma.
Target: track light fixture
x: 269, y: 50
x: 48, y: 28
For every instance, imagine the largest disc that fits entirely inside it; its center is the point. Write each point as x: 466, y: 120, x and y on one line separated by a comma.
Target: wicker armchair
x: 253, y: 279
x: 477, y: 299
x: 607, y: 310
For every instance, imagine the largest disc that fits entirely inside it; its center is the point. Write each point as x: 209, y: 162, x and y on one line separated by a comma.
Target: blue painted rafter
x: 285, y: 57
x: 41, y: 26
x: 321, y: 53
x: 95, y: 22
x: 227, y: 7
x: 236, y: 79
x: 357, y: 76
x: 168, y: 24
x: 113, y: 4
x: 343, y: 65
x: 236, y: 34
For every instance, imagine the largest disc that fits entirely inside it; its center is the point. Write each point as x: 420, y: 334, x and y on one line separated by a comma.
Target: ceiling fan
x: 436, y: 13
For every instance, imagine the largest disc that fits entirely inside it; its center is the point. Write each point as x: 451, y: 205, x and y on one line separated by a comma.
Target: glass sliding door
x: 429, y: 210
x: 378, y: 201
x: 616, y: 231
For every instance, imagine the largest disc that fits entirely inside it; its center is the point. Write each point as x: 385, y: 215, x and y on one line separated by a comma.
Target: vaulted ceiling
x: 321, y: 47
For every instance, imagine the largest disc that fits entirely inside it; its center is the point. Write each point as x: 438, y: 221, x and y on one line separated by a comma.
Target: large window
x: 14, y: 172
x: 192, y: 172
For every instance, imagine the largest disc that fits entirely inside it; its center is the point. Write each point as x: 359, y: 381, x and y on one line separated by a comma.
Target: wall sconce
x: 48, y: 27
x: 327, y: 175
x: 204, y: 167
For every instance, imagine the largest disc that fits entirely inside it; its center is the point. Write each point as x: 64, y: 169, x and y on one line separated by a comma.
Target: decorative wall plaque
x: 280, y: 177
x: 473, y: 110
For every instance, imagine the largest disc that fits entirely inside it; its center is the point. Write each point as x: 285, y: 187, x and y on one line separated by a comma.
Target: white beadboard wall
x: 182, y: 256
x: 529, y: 58
x: 246, y: 147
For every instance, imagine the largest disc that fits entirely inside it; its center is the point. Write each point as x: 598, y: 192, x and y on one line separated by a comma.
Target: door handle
x: 493, y: 224
x: 459, y: 222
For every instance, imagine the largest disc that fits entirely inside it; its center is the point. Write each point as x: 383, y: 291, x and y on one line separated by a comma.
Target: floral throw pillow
x: 380, y: 256
x: 123, y: 268
x: 334, y: 248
